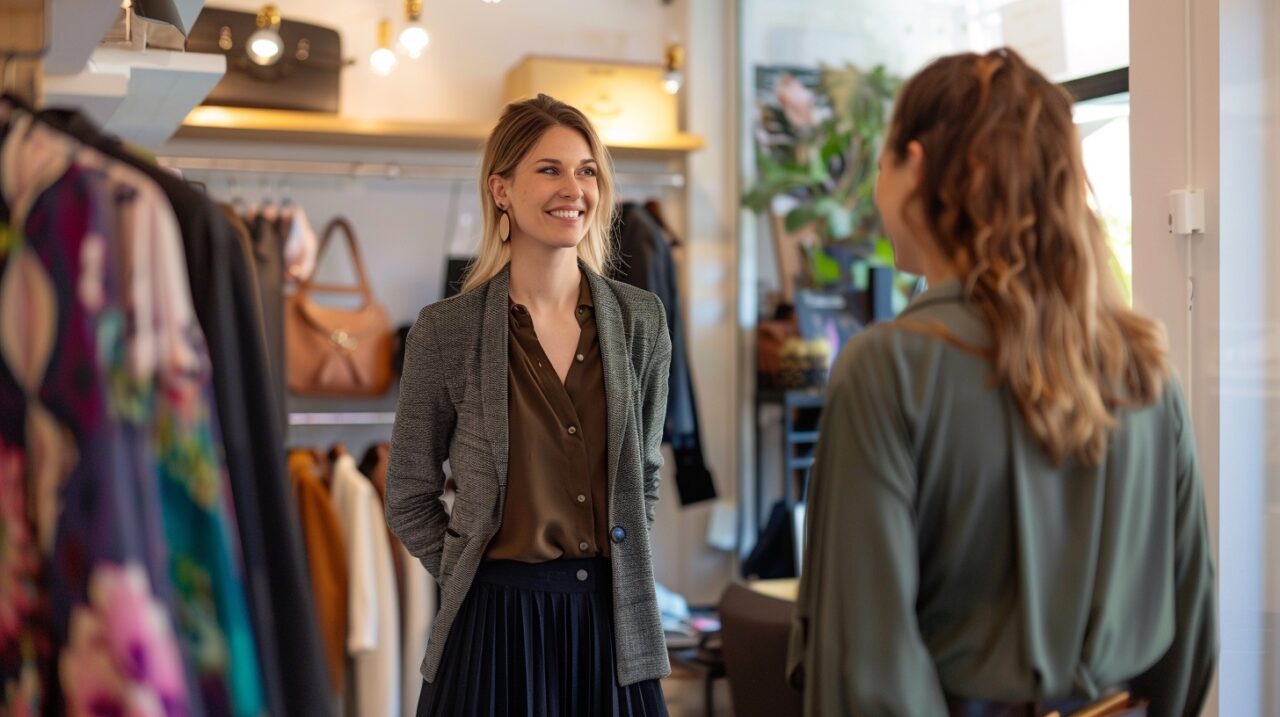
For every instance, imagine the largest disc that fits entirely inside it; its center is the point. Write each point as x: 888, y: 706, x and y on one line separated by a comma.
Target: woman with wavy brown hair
x: 1005, y: 515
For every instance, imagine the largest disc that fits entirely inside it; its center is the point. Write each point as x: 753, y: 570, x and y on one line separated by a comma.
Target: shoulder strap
x: 362, y: 278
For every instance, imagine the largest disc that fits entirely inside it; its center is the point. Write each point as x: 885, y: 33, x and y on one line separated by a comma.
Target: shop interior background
x: 1202, y: 111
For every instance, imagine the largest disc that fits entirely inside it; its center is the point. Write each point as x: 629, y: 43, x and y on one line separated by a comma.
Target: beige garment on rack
x: 417, y: 610
x: 373, y: 623
x: 300, y: 246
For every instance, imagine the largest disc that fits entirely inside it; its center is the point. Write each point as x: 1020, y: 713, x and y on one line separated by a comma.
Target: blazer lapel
x: 493, y: 370
x: 614, y: 354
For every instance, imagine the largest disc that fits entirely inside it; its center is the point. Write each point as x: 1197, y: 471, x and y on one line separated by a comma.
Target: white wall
x: 709, y: 285
x: 405, y: 227
x: 473, y: 44
x: 1218, y: 132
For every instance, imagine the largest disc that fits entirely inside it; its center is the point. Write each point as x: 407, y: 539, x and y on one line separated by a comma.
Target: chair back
x: 754, y: 631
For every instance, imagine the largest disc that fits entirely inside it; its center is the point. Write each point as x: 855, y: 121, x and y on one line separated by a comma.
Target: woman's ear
x: 498, y: 190
x: 915, y: 161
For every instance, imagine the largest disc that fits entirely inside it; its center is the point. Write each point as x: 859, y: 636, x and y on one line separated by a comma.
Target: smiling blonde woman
x: 544, y: 386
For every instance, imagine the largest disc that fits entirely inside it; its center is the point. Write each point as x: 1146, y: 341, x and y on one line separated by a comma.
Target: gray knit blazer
x: 453, y: 406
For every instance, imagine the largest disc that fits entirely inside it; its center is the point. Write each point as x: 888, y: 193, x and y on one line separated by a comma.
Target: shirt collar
x: 586, y: 303
x: 949, y: 290
x: 584, y: 294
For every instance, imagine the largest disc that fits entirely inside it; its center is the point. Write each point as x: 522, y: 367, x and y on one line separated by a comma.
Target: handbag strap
x: 362, y: 277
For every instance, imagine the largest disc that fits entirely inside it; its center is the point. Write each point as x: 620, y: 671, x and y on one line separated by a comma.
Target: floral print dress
x: 120, y: 585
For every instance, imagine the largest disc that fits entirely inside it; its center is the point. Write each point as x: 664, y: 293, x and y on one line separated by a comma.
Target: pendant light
x: 673, y: 68
x: 414, y: 37
x: 383, y: 59
x: 265, y: 45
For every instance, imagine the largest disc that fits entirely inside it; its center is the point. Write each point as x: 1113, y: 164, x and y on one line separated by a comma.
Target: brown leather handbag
x: 334, y: 351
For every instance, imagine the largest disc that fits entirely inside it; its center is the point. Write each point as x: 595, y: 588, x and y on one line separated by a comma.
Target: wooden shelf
x: 254, y: 125
x: 22, y: 27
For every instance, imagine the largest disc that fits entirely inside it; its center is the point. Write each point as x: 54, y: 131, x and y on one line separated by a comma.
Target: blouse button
x: 582, y: 576
x: 582, y: 498
x: 573, y: 430
x: 583, y: 546
x: 580, y: 358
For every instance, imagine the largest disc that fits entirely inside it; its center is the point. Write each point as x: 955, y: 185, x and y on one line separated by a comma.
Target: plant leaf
x: 838, y: 218
x: 861, y: 275
x: 826, y: 270
x: 758, y: 198
x: 799, y: 217
x: 881, y: 253
x: 836, y: 144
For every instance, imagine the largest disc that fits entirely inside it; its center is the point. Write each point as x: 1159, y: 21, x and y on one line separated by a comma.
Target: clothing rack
x: 382, y: 170
x: 348, y: 418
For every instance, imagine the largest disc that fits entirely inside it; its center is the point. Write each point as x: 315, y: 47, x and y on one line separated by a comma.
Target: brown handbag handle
x: 364, y: 289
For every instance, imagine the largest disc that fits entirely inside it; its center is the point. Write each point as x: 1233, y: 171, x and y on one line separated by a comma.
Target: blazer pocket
x: 454, y: 542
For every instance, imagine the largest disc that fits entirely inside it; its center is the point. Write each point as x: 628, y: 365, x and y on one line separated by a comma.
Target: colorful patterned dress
x: 120, y: 579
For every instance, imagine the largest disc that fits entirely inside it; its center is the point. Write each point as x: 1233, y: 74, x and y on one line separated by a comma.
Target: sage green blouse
x: 946, y: 555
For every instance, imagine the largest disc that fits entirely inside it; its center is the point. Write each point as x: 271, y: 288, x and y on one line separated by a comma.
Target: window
x: 1104, y: 135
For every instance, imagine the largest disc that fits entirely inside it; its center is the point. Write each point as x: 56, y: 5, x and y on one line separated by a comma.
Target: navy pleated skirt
x: 536, y: 639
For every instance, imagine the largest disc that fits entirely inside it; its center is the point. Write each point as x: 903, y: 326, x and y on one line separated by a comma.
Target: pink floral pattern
x: 797, y: 102
x: 115, y: 481
x: 22, y: 696
x: 24, y: 644
x: 19, y: 560
x: 122, y: 657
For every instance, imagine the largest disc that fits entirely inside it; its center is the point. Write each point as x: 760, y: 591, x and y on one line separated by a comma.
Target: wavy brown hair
x: 521, y: 126
x: 1004, y: 194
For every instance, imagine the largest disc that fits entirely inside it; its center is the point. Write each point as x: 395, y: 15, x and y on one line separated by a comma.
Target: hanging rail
x: 381, y: 170
x: 342, y: 418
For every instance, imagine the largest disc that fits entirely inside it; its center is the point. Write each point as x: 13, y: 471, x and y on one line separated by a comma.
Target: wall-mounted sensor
x: 1186, y: 211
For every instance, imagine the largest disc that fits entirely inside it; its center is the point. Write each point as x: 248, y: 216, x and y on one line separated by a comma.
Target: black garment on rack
x: 268, y: 256
x: 276, y: 579
x: 646, y: 261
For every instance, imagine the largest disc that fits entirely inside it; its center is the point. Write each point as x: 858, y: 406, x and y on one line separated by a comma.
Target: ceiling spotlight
x: 414, y: 37
x: 383, y: 59
x: 492, y: 2
x: 673, y: 68
x: 265, y: 46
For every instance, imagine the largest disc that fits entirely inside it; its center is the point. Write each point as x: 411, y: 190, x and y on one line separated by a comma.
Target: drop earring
x: 504, y: 234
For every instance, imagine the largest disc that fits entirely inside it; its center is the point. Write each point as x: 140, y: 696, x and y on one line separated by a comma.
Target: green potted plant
x: 816, y: 148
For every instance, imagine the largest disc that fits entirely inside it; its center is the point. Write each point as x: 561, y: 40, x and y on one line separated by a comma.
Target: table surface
x: 781, y: 588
